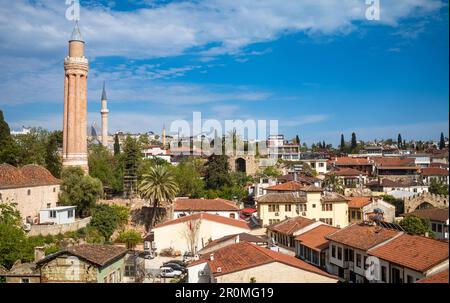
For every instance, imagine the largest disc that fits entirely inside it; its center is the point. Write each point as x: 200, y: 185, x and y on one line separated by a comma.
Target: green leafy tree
x: 438, y: 187
x: 416, y: 225
x: 100, y: 163
x: 12, y: 236
x: 130, y: 237
x: 442, y: 142
x: 122, y: 214
x: 8, y: 151
x: 52, y: 159
x: 398, y: 203
x: 270, y: 172
x: 188, y: 177
x: 158, y: 186
x: 333, y: 183
x: 79, y: 190
x: 297, y: 139
x: 217, y: 172
x: 104, y: 220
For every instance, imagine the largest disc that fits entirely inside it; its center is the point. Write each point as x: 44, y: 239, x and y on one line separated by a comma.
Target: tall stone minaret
x: 76, y: 68
x: 104, y: 113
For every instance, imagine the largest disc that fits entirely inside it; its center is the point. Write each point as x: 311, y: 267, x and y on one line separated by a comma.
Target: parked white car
x: 167, y: 272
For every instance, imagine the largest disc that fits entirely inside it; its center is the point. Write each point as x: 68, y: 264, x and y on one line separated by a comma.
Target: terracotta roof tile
x: 315, y: 238
x: 243, y: 237
x: 287, y: 186
x: 434, y: 171
x: 333, y: 197
x: 209, y: 217
x: 244, y: 255
x: 440, y: 277
x: 98, y: 254
x: 291, y: 225
x: 351, y: 161
x: 347, y: 172
x: 363, y: 236
x: 415, y: 252
x: 281, y: 198
x: 359, y: 202
x: 27, y: 176
x: 205, y: 205
x: 388, y: 161
x: 434, y: 214
x: 294, y: 186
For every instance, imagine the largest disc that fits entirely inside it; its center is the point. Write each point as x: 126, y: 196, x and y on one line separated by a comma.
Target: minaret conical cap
x: 76, y: 34
x: 104, y: 92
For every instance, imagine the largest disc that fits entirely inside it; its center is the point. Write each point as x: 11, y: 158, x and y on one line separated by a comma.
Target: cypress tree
x: 442, y: 142
x: 342, y: 146
x: 354, y: 144
x: 399, y: 141
x: 7, y: 145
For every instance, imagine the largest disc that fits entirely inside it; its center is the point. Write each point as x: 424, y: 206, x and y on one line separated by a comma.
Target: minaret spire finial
x: 104, y: 91
x: 76, y: 34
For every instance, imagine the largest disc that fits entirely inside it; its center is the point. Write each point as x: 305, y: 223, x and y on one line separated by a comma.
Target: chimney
x: 211, y: 257
x: 39, y: 253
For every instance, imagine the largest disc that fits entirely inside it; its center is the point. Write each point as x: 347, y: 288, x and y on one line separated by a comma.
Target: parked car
x: 179, y: 262
x: 147, y: 255
x: 176, y: 266
x: 167, y: 272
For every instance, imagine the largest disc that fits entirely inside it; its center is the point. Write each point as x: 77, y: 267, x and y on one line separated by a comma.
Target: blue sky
x: 316, y: 66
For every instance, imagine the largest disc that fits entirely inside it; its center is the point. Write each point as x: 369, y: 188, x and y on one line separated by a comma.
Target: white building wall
x: 227, y: 214
x: 175, y: 235
x: 30, y: 200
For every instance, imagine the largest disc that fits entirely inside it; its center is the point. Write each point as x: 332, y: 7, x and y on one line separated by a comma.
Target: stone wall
x: 415, y: 201
x: 58, y: 229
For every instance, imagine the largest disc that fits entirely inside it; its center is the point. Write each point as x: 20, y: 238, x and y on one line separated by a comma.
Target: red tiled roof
x: 362, y: 236
x: 288, y: 186
x: 95, y: 253
x: 293, y: 186
x: 440, y: 277
x: 388, y: 161
x: 315, y: 238
x: 209, y: 217
x: 290, y: 225
x: 351, y: 161
x: 27, y: 176
x: 244, y: 255
x: 359, y: 202
x: 205, y: 205
x: 434, y: 171
x: 347, y: 172
x: 434, y: 214
x: 415, y: 252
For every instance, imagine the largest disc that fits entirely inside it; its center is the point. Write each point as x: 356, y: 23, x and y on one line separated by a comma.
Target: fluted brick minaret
x: 104, y: 113
x: 76, y: 68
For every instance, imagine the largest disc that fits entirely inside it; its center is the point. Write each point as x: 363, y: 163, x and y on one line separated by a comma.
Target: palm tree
x: 158, y: 186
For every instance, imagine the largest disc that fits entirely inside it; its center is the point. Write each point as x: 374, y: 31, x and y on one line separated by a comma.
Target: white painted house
x: 194, y: 232
x: 57, y: 215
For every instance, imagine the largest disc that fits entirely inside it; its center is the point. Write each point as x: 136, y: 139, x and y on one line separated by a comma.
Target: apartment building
x: 291, y: 199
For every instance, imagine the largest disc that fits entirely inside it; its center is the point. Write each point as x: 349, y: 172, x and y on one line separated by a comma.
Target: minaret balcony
x: 104, y: 111
x: 76, y: 60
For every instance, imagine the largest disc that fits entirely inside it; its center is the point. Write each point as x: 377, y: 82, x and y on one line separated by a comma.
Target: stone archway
x: 425, y: 200
x: 240, y: 165
x: 247, y: 164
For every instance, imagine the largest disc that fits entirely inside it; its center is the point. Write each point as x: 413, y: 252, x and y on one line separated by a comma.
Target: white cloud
x: 172, y: 29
